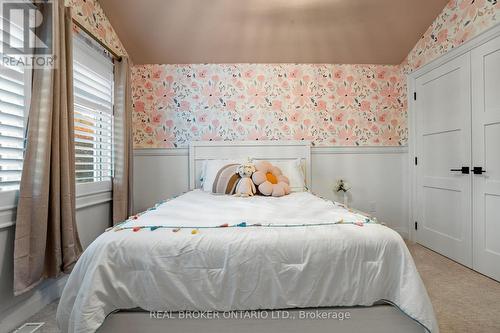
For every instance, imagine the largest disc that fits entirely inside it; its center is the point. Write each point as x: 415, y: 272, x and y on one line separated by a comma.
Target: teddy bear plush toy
x: 245, y: 187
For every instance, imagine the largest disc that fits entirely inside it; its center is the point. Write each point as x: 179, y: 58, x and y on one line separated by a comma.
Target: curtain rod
x: 115, y: 56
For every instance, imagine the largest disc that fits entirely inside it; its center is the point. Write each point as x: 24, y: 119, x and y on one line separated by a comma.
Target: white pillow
x: 209, y: 171
x: 293, y: 170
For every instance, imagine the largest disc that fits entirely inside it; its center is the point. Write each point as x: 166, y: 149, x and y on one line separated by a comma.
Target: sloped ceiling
x: 270, y: 31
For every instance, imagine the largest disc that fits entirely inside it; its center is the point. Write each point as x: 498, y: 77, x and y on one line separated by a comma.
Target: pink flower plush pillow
x: 269, y: 180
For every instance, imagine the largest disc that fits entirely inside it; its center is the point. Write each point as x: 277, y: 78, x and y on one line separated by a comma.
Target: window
x: 93, y: 93
x: 15, y: 88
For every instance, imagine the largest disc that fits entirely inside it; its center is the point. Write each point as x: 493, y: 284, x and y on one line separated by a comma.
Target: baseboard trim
x: 17, y: 314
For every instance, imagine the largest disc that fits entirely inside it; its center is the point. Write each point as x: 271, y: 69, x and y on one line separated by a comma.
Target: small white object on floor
x: 29, y: 328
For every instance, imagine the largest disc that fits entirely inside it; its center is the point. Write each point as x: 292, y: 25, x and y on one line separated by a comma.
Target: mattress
x: 209, y: 252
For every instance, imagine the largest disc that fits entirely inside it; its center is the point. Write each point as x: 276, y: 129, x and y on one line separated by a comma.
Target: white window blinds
x: 15, y: 87
x: 93, y: 93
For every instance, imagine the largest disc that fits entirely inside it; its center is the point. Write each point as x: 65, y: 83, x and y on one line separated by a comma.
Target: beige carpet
x: 464, y: 301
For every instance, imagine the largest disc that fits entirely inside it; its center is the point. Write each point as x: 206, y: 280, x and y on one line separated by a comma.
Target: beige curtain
x: 123, y: 155
x: 46, y: 241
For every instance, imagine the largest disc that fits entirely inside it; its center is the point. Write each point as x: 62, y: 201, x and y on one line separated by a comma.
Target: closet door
x: 486, y: 154
x: 443, y: 146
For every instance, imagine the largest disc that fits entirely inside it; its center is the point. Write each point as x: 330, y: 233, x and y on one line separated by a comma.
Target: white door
x: 443, y: 143
x: 486, y: 154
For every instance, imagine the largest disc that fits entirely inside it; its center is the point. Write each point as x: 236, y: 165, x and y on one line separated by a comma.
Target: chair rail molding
x: 314, y: 150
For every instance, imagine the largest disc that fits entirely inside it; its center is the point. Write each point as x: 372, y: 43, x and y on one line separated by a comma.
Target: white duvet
x: 284, y: 265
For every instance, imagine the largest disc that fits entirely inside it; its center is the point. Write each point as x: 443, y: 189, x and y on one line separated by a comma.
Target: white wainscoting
x: 93, y: 217
x: 378, y: 175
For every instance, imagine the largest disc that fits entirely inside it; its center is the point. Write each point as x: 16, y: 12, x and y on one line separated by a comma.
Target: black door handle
x: 478, y: 170
x: 464, y: 170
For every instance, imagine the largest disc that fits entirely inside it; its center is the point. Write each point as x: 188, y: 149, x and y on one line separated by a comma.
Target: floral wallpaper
x: 343, y: 105
x: 90, y: 14
x: 340, y: 105
x: 459, y: 21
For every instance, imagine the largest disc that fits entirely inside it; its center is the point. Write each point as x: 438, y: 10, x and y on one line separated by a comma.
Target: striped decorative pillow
x: 226, y: 179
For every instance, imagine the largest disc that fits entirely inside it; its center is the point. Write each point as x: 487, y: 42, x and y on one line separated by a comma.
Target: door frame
x: 476, y: 41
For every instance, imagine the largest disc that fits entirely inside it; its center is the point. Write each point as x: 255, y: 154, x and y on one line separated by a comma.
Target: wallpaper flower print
x: 459, y: 21
x: 342, y: 105
x: 90, y: 14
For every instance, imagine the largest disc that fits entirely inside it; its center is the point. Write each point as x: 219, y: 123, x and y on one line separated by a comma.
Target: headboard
x: 260, y: 150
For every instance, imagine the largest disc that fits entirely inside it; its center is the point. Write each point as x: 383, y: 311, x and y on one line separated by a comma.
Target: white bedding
x: 285, y: 265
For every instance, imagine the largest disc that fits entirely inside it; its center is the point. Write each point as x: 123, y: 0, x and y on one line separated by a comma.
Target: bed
x: 223, y: 254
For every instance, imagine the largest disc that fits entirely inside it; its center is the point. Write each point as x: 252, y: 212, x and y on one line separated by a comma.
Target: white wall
x: 378, y: 176
x: 93, y: 217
